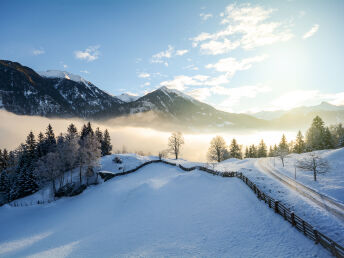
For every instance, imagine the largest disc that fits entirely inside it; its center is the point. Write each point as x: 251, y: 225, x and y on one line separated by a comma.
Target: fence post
x: 292, y: 215
x: 333, y: 249
x: 316, y: 236
x: 276, y: 206
x: 303, y: 227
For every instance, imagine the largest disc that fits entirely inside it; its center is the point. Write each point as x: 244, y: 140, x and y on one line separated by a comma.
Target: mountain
x: 127, y: 97
x: 301, y: 117
x: 324, y: 106
x: 61, y: 94
x: 179, y: 109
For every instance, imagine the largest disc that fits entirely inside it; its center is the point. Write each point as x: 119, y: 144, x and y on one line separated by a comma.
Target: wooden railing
x: 307, y: 229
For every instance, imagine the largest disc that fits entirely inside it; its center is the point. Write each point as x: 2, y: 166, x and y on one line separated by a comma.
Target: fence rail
x: 307, y: 229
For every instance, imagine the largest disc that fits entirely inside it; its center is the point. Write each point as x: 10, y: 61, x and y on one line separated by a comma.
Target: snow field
x: 158, y: 211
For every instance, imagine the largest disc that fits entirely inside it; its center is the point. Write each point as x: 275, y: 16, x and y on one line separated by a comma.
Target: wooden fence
x: 279, y: 208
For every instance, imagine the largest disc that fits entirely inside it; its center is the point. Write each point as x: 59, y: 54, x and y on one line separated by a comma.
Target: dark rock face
x: 24, y: 92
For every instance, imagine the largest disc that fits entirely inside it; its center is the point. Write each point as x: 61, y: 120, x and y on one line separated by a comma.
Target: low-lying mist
x: 15, y: 128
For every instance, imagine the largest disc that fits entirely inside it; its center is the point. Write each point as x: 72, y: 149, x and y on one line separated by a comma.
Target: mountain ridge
x: 62, y: 94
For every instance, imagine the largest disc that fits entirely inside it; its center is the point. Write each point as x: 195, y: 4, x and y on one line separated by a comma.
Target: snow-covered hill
x: 158, y: 211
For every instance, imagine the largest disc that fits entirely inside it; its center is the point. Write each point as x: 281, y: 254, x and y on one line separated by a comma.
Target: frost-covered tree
x: 88, y: 154
x: 313, y: 162
x: 235, y: 150
x: 299, y: 146
x: 217, y: 150
x: 48, y: 169
x: 175, y: 143
x: 262, y: 149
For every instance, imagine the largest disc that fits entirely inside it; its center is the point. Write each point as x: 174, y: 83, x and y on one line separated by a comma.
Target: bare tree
x: 282, y: 153
x: 163, y: 154
x: 315, y: 163
x: 217, y: 150
x: 175, y: 143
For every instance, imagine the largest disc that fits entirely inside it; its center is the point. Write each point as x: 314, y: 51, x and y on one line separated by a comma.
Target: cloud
x: 37, y: 52
x: 230, y: 65
x: 181, y: 82
x: 214, y: 47
x: 181, y: 52
x: 246, y: 26
x: 311, y: 32
x: 84, y: 71
x: 158, y: 58
x: 200, y: 94
x: 89, y: 54
x: 235, y: 95
x: 337, y: 99
x: 191, y: 67
x: 144, y: 75
x: 206, y: 16
x: 170, y: 52
x: 65, y: 66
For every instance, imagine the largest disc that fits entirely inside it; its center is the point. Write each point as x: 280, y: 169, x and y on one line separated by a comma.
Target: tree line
x: 45, y: 159
x: 318, y: 137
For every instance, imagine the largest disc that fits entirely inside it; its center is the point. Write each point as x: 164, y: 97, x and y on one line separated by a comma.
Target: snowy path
x: 333, y: 207
x: 158, y: 211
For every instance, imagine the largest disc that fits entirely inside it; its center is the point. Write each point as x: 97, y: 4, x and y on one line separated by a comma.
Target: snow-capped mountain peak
x: 127, y: 97
x: 168, y: 91
x: 63, y: 75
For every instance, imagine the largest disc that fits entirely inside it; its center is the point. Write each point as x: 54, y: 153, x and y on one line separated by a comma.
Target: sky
x: 239, y: 56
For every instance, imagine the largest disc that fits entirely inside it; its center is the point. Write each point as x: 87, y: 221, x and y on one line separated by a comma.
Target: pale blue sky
x: 236, y: 55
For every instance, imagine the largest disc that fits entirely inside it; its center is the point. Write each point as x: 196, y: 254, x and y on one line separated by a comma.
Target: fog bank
x: 15, y: 128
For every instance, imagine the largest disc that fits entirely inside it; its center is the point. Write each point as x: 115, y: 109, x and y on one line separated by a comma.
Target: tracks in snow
x: 329, y: 204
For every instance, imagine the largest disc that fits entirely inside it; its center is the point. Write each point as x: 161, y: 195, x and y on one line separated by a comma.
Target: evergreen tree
x: 72, y: 132
x: 299, y: 146
x: 31, y: 147
x: 49, y: 141
x: 315, y: 135
x: 262, y: 149
x: 106, y: 146
x: 235, y: 150
x: 252, y: 151
x: 247, y: 154
x: 2, y: 166
x: 283, y: 145
x: 328, y: 140
x: 40, y: 145
x: 271, y: 152
x: 86, y: 130
x: 4, y: 187
x: 283, y: 149
x: 99, y: 135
